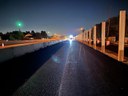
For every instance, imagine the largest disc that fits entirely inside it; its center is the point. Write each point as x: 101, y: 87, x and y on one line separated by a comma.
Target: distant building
x: 28, y: 36
x: 56, y: 36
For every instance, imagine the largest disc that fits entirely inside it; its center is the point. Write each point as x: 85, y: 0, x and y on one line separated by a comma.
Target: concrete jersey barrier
x: 9, y: 53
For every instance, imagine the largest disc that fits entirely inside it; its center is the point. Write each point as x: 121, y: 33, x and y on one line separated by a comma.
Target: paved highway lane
x: 90, y: 73
x: 75, y: 70
x: 18, y: 70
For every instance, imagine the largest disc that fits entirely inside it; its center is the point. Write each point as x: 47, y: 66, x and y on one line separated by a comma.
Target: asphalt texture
x: 71, y: 69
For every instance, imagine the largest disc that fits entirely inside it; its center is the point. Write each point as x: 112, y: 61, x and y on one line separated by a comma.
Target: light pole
x: 82, y: 29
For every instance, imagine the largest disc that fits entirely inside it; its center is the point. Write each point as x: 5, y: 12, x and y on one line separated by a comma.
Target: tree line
x: 18, y: 35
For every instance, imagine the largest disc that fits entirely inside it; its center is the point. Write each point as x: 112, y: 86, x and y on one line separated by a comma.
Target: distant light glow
x: 81, y: 29
x: 98, y: 41
x: 107, y: 43
x: 19, y: 24
x: 70, y: 42
x: 70, y: 39
x: 71, y: 36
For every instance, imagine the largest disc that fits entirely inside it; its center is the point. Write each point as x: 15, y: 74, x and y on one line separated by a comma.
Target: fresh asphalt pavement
x: 70, y: 69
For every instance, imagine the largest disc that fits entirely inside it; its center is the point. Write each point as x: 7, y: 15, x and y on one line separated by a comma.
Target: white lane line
x: 64, y: 72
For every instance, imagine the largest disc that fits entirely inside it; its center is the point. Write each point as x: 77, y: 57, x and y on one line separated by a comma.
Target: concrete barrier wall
x: 9, y: 53
x: 6, y: 54
x: 21, y: 50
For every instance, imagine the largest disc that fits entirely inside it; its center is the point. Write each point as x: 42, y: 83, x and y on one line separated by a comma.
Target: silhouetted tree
x: 37, y: 35
x: 44, y: 34
x: 5, y: 37
x: 11, y: 37
x: 33, y: 33
x: 15, y: 35
x: 1, y: 33
x: 27, y: 32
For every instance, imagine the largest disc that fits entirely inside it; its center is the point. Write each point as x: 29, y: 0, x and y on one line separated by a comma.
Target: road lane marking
x: 64, y: 72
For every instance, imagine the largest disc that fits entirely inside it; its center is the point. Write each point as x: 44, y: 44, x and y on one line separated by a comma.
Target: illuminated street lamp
x: 82, y: 29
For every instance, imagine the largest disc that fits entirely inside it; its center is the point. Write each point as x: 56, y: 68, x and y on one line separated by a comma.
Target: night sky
x: 57, y: 16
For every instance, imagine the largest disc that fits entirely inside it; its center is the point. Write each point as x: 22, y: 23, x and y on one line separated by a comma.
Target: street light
x: 82, y: 29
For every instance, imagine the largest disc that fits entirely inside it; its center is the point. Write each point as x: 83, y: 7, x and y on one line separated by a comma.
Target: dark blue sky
x: 57, y: 16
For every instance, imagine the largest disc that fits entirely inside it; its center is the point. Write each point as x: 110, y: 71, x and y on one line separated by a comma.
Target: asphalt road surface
x: 66, y: 69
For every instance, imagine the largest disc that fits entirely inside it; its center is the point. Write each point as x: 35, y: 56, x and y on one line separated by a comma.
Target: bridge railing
x: 90, y: 38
